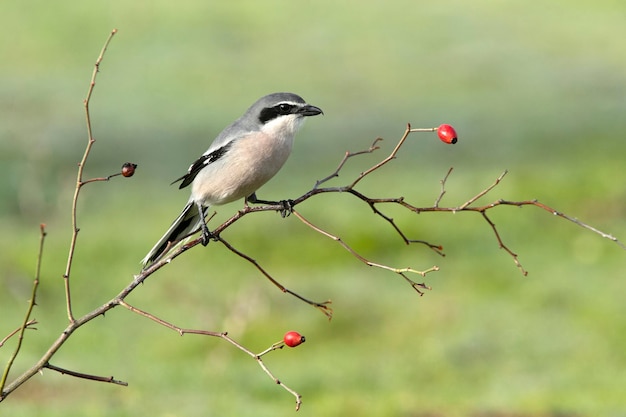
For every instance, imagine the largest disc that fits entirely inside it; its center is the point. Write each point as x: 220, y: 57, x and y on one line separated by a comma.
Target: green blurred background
x: 535, y: 88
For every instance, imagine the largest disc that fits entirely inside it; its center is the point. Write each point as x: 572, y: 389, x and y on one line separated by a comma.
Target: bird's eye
x: 285, y: 108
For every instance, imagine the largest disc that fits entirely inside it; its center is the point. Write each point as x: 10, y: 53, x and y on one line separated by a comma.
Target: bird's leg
x: 284, y: 212
x: 206, y: 235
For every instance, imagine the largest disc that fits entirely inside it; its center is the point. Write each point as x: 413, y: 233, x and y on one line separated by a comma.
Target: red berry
x: 293, y: 339
x: 447, y: 134
x: 128, y: 169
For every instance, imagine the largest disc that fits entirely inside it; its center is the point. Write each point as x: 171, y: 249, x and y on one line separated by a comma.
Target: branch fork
x: 176, y: 250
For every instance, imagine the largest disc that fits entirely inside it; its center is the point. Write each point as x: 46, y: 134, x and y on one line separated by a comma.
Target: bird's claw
x: 206, y: 236
x: 287, y: 208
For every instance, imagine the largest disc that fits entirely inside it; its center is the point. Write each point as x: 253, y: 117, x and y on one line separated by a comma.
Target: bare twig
x: 467, y: 206
x: 323, y: 306
x: 29, y: 325
x: 54, y: 347
x: 399, y: 271
x: 443, y: 187
x: 391, y: 156
x: 90, y: 377
x: 564, y: 216
x: 76, y: 323
x: 73, y: 322
x: 502, y: 245
x: 31, y: 305
x: 79, y: 179
x: 99, y: 179
x: 482, y: 193
x: 224, y: 336
x: 176, y: 250
x: 373, y: 147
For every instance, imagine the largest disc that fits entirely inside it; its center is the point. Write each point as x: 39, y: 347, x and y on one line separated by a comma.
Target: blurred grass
x: 536, y: 90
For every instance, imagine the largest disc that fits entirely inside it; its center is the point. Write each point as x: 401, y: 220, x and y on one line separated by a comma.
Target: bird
x: 242, y: 158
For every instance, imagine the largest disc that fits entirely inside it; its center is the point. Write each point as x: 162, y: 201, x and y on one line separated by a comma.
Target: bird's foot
x: 287, y: 208
x: 207, y: 236
x: 284, y: 212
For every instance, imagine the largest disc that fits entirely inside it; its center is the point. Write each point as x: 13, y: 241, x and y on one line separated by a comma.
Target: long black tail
x: 186, y: 223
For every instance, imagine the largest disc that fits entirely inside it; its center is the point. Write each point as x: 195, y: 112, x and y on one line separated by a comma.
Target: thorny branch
x: 323, y: 306
x: 400, y: 271
x: 73, y: 322
x: 79, y: 180
x: 176, y: 250
x: 76, y: 323
x: 90, y: 377
x: 221, y: 335
x: 29, y: 326
x: 29, y: 311
x: 467, y: 206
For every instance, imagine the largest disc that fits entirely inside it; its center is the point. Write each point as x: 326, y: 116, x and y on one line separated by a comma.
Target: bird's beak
x: 310, y: 110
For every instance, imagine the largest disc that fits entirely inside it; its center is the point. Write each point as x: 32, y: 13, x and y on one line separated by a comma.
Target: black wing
x: 203, y: 161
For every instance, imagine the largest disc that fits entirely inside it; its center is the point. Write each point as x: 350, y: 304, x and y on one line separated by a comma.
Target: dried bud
x: 128, y: 169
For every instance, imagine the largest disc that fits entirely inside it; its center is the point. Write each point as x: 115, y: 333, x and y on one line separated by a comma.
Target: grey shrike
x: 242, y: 158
